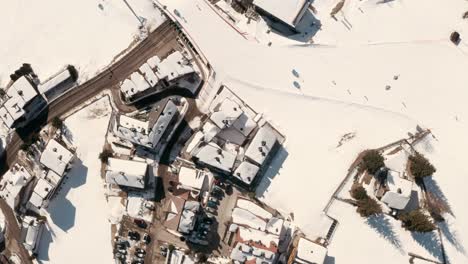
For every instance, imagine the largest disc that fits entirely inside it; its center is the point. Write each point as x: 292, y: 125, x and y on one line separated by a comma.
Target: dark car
x: 140, y: 250
x: 140, y: 223
x: 134, y: 235
x: 212, y: 204
x: 208, y: 220
x: 147, y: 239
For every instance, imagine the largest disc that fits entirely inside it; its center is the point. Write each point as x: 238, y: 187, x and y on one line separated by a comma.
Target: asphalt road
x: 112, y: 76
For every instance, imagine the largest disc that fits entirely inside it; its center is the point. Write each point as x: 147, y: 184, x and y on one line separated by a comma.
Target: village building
x: 188, y: 217
x: 142, y: 133
x: 156, y: 74
x: 286, y: 13
x: 56, y: 158
x: 31, y: 232
x: 307, y: 252
x: 213, y: 156
x: 195, y: 181
x: 127, y: 173
x: 395, y: 191
x: 23, y: 103
x: 179, y: 257
x: 12, y: 185
x: 59, y: 83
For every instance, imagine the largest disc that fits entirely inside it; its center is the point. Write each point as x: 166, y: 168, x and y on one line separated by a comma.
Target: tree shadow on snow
x: 270, y: 173
x: 382, y: 225
x: 61, y: 210
x: 430, y: 242
x: 434, y: 188
x: 452, y: 237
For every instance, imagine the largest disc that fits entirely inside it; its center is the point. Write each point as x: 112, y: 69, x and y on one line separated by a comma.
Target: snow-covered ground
x: 55, y: 33
x: 78, y: 229
x: 392, y: 69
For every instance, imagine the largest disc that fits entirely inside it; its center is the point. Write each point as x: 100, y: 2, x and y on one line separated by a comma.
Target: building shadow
x: 44, y: 244
x: 430, y: 242
x: 306, y: 29
x: 329, y: 260
x: 61, y: 210
x: 272, y: 171
x: 382, y: 225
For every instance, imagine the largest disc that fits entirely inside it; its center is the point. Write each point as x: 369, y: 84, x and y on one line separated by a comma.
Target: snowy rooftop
x: 12, y: 183
x: 174, y: 66
x: 191, y: 178
x: 253, y: 208
x: 31, y: 233
x: 162, y: 123
x: 261, y: 145
x: 289, y: 11
x: 269, y: 241
x: 213, y: 155
x: 188, y: 217
x: 243, y: 253
x: 244, y: 217
x: 133, y: 130
x: 40, y: 193
x: 19, y: 94
x: 178, y: 257
x: 246, y: 172
x: 310, y: 252
x: 126, y: 173
x: 227, y: 113
x: 54, y: 81
x: 399, y: 192
x: 148, y: 73
x: 56, y: 157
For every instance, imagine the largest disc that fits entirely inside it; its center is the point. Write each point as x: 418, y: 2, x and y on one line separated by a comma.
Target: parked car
x: 163, y: 253
x: 213, y: 199
x: 163, y: 248
x: 140, y: 223
x: 140, y: 255
x: 205, y: 226
x: 138, y: 261
x: 147, y: 238
x: 212, y: 204
x: 140, y: 250
x: 133, y: 235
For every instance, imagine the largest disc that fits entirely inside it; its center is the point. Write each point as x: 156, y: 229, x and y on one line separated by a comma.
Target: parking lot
x: 130, y: 244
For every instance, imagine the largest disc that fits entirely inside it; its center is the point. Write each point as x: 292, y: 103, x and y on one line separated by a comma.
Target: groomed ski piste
x: 345, y: 83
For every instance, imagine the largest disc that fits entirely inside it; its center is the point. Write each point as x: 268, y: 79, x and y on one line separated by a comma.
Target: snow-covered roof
x: 140, y: 82
x: 154, y: 61
x: 40, y: 193
x: 253, y: 208
x: 128, y: 87
x: 246, y: 172
x: 210, y: 131
x: 399, y: 192
x: 19, y: 94
x: 126, y: 173
x: 135, y: 204
x: 178, y: 257
x: 53, y: 177
x: 188, y: 217
x: 261, y: 145
x: 56, y: 157
x: 12, y: 183
x: 243, y: 253
x: 32, y: 230
x: 213, y: 155
x: 150, y: 77
x: 191, y: 178
x: 290, y: 11
x: 174, y: 66
x: 133, y: 130
x: 244, y: 217
x: 226, y: 113
x: 275, y: 225
x: 162, y: 123
x: 244, y: 124
x: 269, y: 241
x: 54, y: 81
x: 310, y: 252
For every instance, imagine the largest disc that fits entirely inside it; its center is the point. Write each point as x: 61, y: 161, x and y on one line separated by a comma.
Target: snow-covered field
x: 51, y: 34
x: 78, y: 230
x: 392, y: 69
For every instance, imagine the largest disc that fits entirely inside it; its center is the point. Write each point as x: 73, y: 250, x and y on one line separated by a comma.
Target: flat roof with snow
x: 246, y: 172
x: 310, y: 252
x: 262, y: 144
x: 162, y: 123
x: 226, y: 113
x: 174, y: 66
x: 290, y: 11
x: 191, y: 178
x: 213, y: 155
x: 126, y: 173
x: 56, y: 157
x: 188, y: 217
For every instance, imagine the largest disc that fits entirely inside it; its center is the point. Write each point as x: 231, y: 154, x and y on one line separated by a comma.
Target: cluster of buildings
x: 28, y: 189
x: 177, y: 69
x: 235, y: 141
x: 24, y: 99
